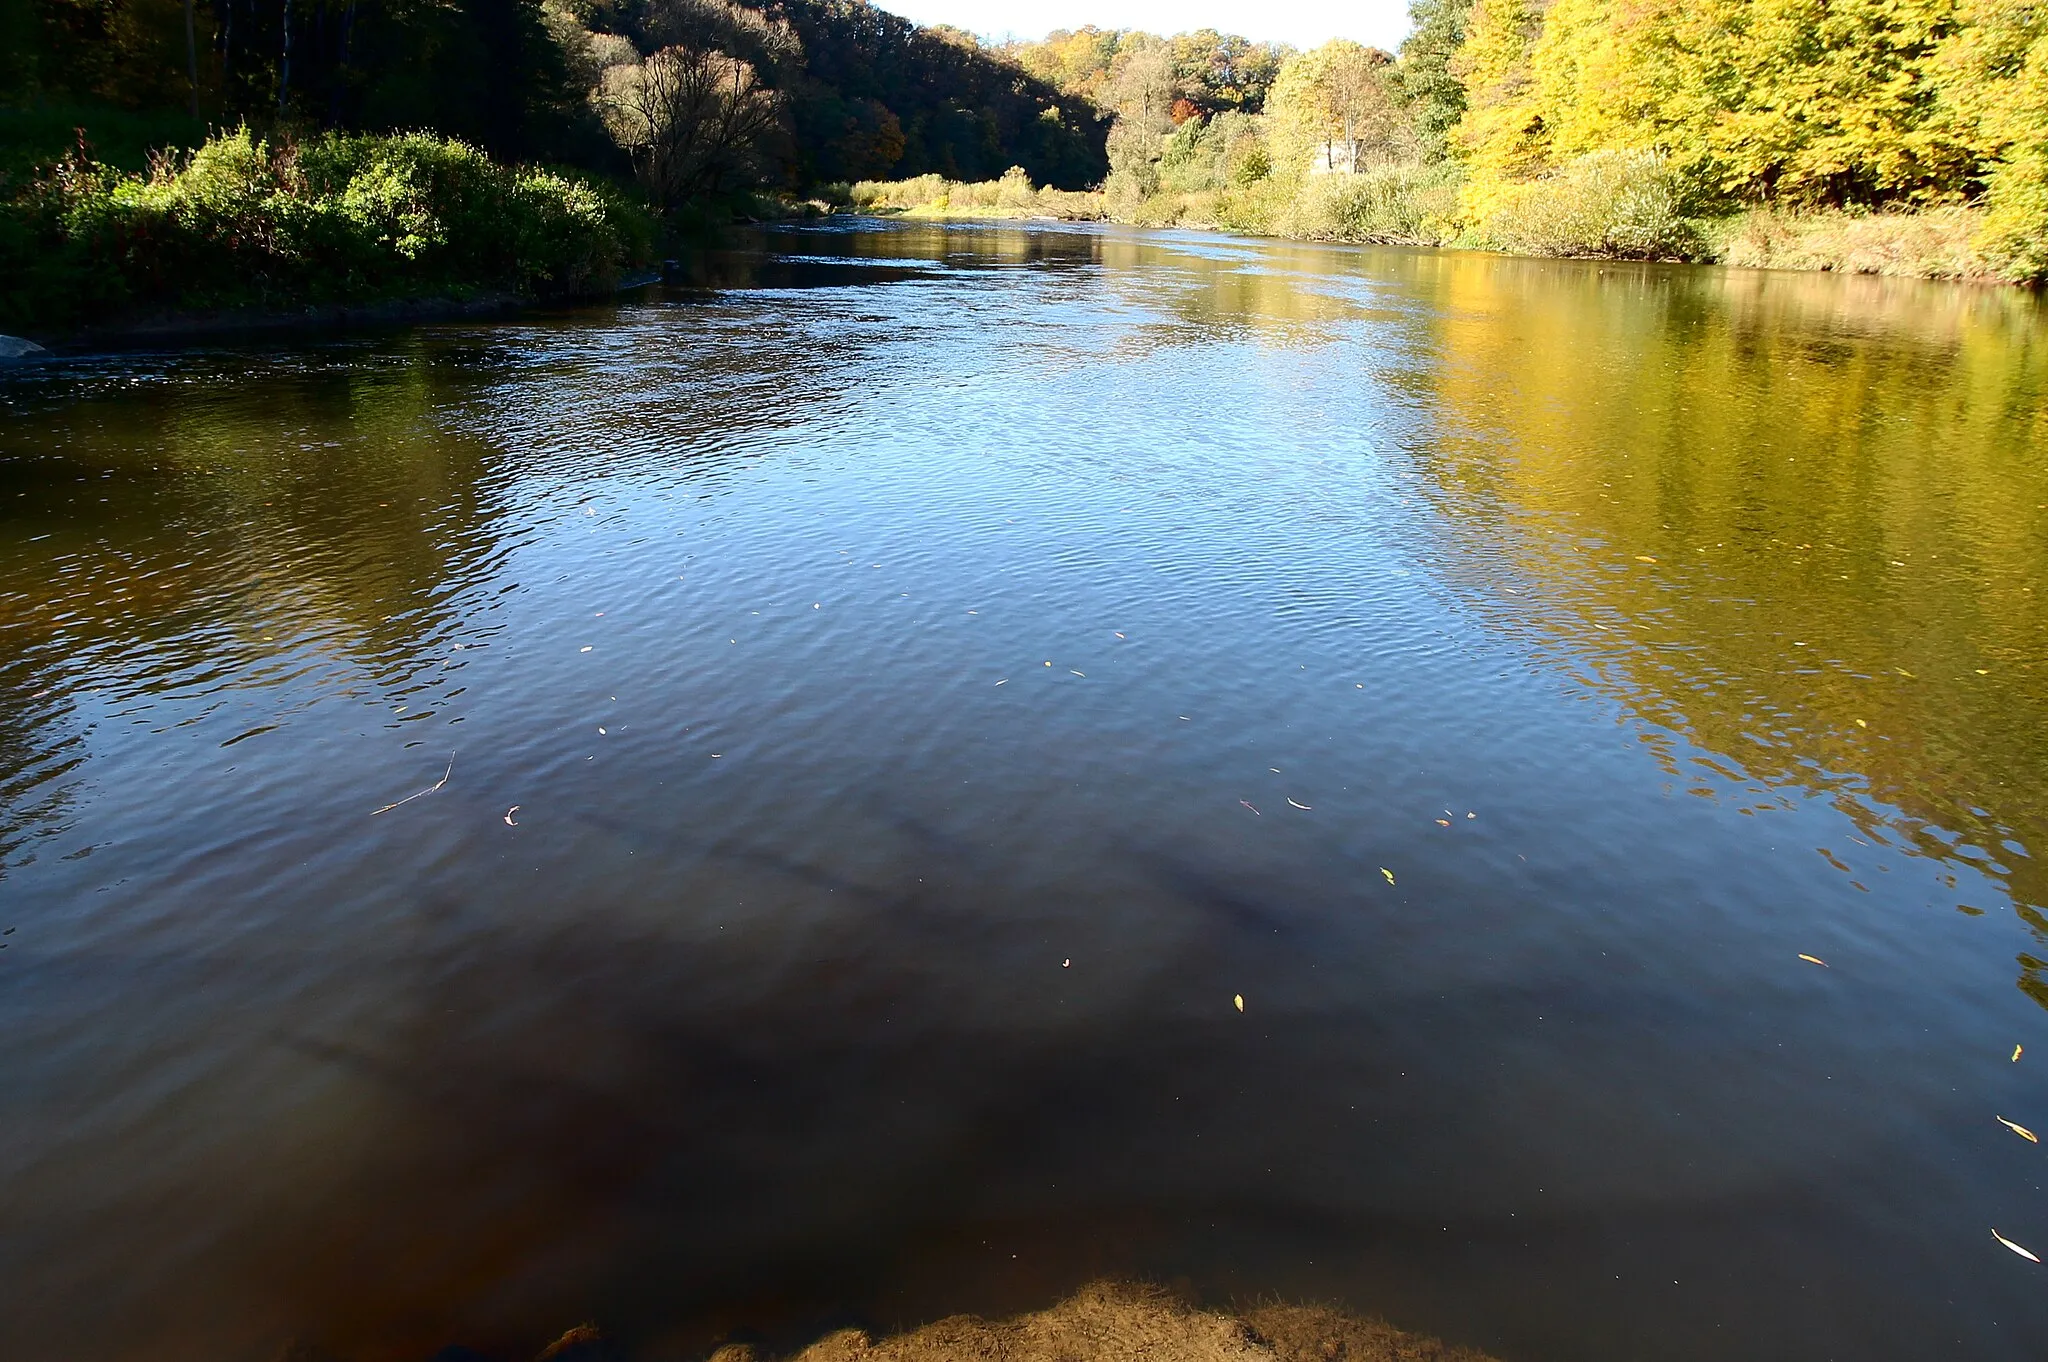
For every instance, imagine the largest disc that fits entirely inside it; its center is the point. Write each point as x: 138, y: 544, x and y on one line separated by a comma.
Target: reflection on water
x: 902, y: 682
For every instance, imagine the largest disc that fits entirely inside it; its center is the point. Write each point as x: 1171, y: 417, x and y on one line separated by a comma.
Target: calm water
x: 900, y: 689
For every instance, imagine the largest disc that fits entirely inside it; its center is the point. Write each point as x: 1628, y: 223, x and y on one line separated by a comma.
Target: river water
x: 875, y: 708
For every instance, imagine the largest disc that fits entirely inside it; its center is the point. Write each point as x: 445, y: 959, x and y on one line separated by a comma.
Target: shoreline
x: 1931, y: 244
x: 1104, y: 1321
x: 147, y: 330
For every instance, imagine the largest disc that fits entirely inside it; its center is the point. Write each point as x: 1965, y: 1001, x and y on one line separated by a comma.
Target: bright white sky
x: 1305, y: 23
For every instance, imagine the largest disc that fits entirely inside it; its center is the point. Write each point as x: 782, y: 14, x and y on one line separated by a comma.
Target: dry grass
x: 1934, y: 243
x: 1013, y: 196
x: 1118, y: 1322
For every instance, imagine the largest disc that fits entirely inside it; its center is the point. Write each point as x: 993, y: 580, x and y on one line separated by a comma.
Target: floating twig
x: 429, y: 790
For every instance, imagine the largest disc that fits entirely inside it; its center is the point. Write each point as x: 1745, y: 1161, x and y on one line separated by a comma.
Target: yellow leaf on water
x: 1644, y: 558
x: 2014, y: 1247
x: 2015, y: 1054
x: 1813, y: 960
x: 1388, y: 873
x: 1238, y: 998
x: 2020, y: 1131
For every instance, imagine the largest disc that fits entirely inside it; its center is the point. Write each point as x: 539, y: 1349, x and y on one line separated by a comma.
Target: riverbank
x: 1615, y: 211
x: 246, y: 234
x: 1102, y: 1322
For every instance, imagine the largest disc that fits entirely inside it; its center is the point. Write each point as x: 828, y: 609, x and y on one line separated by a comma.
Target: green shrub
x: 1407, y: 205
x: 343, y: 218
x: 1621, y: 204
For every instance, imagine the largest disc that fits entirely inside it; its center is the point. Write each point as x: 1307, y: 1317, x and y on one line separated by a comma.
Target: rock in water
x: 14, y: 347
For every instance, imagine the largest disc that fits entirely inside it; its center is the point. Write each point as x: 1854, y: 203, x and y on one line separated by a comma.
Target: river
x: 756, y: 806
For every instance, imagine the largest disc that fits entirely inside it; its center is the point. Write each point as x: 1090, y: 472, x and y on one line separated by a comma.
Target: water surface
x: 883, y: 701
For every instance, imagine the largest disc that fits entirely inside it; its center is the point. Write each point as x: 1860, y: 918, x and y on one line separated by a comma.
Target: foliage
x: 1206, y: 71
x: 859, y: 91
x: 1011, y: 196
x: 1801, y: 105
x: 485, y: 71
x: 1994, y: 79
x: 246, y: 223
x: 696, y: 116
x: 1339, y: 108
x: 1400, y: 205
x: 1616, y: 204
x: 1435, y: 99
x: 872, y: 81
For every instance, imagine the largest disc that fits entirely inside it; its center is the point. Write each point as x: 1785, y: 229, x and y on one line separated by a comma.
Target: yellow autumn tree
x: 1993, y: 75
x: 1338, y: 106
x: 1804, y: 102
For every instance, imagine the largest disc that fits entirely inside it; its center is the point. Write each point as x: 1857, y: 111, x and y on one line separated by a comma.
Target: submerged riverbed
x: 880, y: 705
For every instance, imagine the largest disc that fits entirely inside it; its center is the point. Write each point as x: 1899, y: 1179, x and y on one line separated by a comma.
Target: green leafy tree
x: 1436, y: 99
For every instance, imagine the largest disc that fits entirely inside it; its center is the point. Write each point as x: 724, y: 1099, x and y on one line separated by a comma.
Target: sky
x: 1304, y: 23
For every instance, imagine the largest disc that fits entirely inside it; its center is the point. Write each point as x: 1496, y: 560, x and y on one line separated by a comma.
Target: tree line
x: 698, y: 96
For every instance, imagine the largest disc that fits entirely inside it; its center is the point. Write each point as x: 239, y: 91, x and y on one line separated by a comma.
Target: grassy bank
x: 245, y: 224
x: 933, y: 196
x: 1610, y: 205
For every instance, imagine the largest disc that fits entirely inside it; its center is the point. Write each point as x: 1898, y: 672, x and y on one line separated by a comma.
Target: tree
x: 1436, y: 101
x: 696, y: 123
x: 1992, y: 75
x: 1339, y: 105
x: 1141, y: 89
x: 1809, y: 102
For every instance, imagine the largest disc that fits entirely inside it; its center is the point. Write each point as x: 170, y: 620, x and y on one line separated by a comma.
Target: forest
x: 230, y: 154
x: 224, y: 153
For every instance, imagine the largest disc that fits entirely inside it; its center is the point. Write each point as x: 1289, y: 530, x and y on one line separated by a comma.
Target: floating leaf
x: 1238, y: 998
x: 2020, y: 1131
x: 1388, y: 873
x: 1814, y: 960
x: 2015, y: 1054
x: 1303, y: 807
x: 1644, y: 558
x: 1443, y: 822
x: 2014, y: 1247
x: 1248, y: 804
x: 508, y: 816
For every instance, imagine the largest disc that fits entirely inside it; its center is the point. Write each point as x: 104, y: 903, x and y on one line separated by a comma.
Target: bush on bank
x: 342, y: 218
x: 1012, y: 196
